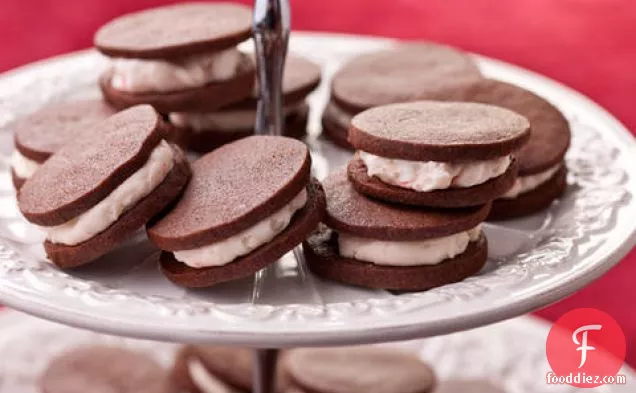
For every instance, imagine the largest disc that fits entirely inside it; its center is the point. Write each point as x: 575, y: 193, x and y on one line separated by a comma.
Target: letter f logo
x: 583, y: 343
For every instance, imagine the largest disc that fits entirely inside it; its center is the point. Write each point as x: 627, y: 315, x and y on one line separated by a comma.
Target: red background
x: 587, y: 44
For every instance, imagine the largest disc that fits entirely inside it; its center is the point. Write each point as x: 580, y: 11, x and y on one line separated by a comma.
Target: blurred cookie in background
x: 206, y: 131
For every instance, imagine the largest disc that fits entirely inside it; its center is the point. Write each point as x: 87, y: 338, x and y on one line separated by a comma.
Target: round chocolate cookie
x: 233, y: 189
x: 209, y: 97
x: 199, y: 368
x: 353, y: 214
x: 86, y: 174
x: 175, y: 30
x: 439, y: 131
x: 357, y: 370
x: 414, y: 71
x: 102, y: 369
x: 209, y: 130
x: 409, y: 142
x: 38, y: 135
x: 409, y: 72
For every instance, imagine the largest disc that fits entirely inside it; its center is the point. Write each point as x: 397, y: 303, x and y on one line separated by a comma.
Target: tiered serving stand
x: 532, y: 262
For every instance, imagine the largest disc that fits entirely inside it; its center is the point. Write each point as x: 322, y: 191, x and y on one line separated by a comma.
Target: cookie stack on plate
x: 428, y: 71
x: 248, y: 203
x: 406, y: 212
x: 183, y: 60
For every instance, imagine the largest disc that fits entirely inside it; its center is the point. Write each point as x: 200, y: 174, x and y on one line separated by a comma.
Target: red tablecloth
x: 587, y: 44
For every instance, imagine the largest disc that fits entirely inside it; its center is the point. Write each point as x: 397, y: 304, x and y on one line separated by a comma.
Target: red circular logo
x: 585, y: 348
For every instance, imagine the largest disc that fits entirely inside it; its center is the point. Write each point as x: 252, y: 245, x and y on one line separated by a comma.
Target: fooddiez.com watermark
x: 586, y: 348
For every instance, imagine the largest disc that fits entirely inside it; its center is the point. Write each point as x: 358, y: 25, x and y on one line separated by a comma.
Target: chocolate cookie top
x: 87, y: 169
x: 175, y: 30
x: 300, y: 77
x: 351, y: 212
x: 105, y: 369
x: 550, y: 137
x: 358, y: 369
x: 439, y: 131
x: 44, y: 132
x: 233, y: 188
x: 408, y: 72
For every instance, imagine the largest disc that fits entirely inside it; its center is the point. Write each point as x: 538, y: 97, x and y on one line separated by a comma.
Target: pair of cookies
x: 248, y: 203
x: 389, y: 224
x: 184, y: 61
x: 103, y: 185
x: 205, y: 369
x: 427, y: 71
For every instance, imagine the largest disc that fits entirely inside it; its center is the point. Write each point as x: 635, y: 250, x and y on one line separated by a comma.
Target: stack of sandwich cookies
x: 248, y: 203
x: 216, y: 369
x: 39, y: 135
x: 542, y: 171
x: 96, y: 192
x: 415, y: 71
x: 209, y: 130
x: 180, y: 57
x: 438, y: 154
x: 369, y: 243
x: 356, y: 370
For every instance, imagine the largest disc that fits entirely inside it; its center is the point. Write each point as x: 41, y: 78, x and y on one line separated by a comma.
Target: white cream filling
x: 530, y: 182
x: 205, y: 381
x: 229, y: 120
x: 23, y: 167
x: 425, y: 176
x: 406, y: 253
x: 126, y: 195
x: 227, y: 250
x: 157, y: 75
x: 337, y: 114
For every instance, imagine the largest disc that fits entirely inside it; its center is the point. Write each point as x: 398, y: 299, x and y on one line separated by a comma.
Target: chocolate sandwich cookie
x: 209, y: 130
x: 94, y: 193
x: 357, y: 370
x: 542, y: 172
x: 372, y: 244
x: 248, y: 203
x: 408, y: 72
x: 105, y: 369
x: 438, y: 154
x: 181, y: 57
x: 38, y: 135
x: 207, y: 368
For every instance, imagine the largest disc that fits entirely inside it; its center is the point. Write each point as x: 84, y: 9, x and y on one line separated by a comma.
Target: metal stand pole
x: 271, y: 27
x: 264, y: 378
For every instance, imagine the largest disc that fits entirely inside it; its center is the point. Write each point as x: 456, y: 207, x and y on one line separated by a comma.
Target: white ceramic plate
x: 533, y: 262
x: 507, y: 357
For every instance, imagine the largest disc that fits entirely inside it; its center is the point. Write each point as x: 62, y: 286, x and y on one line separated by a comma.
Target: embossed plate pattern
x: 533, y: 261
